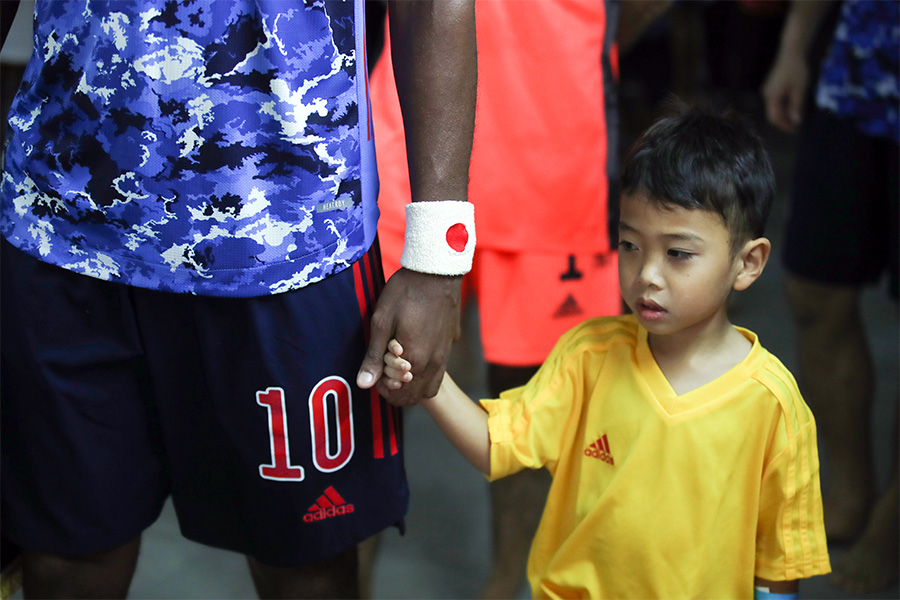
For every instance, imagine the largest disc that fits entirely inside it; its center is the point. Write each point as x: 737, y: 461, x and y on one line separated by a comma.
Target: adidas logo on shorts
x: 329, y: 505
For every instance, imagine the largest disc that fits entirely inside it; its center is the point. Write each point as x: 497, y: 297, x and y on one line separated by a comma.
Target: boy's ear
x: 751, y: 261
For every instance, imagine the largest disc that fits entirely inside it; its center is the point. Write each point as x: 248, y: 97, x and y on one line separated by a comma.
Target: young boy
x: 683, y: 457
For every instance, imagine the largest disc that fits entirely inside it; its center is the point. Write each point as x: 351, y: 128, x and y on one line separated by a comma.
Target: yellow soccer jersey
x: 656, y: 495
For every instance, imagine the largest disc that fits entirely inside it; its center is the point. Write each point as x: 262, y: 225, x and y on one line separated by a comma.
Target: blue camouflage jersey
x: 212, y: 147
x: 859, y: 78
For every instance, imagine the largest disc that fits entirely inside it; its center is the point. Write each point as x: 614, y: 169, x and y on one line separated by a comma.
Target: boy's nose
x: 650, y: 273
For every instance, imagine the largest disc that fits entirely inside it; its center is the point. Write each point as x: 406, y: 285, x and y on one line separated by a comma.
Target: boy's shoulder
x: 599, y: 334
x: 766, y: 370
x: 793, y: 438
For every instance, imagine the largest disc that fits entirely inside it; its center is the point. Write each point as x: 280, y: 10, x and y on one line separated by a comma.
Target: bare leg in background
x: 873, y: 562
x: 836, y: 372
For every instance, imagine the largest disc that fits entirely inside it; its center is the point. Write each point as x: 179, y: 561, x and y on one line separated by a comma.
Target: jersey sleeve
x: 528, y: 424
x: 790, y: 541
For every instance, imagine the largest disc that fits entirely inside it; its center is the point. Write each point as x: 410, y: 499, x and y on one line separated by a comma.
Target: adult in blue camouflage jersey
x: 842, y: 235
x: 207, y: 148
x: 188, y: 206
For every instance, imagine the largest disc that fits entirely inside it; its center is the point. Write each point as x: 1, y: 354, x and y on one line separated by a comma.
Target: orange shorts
x: 527, y: 300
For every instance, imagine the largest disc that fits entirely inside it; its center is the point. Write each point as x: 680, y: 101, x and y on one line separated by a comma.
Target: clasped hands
x: 420, y: 313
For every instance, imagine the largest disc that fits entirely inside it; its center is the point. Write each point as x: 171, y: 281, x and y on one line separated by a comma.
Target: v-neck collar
x: 670, y: 403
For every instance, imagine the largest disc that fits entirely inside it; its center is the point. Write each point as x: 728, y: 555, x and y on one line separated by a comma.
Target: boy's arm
x: 764, y: 589
x: 790, y: 541
x: 464, y: 423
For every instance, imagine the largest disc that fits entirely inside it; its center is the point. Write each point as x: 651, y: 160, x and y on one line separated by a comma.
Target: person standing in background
x: 842, y: 235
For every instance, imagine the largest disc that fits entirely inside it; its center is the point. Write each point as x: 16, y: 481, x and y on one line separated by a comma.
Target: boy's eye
x: 626, y: 246
x: 680, y: 254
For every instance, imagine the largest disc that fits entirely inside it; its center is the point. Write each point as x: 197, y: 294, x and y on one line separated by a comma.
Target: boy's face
x: 675, y: 266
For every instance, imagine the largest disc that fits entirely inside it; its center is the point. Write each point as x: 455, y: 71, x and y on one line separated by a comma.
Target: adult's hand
x: 423, y: 313
x: 785, y: 87
x: 784, y: 91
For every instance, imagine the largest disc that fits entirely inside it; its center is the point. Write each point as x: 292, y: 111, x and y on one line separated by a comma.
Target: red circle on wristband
x: 458, y: 237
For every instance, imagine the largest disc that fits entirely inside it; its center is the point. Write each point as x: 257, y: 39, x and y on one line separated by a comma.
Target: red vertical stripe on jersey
x: 605, y: 444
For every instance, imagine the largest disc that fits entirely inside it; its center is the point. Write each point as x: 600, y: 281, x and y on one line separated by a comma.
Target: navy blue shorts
x: 245, y: 411
x: 842, y: 225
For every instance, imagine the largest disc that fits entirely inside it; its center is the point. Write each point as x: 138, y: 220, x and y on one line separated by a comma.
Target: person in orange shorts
x: 545, y: 127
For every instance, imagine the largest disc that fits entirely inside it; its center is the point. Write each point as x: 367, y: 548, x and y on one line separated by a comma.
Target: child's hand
x: 397, y: 371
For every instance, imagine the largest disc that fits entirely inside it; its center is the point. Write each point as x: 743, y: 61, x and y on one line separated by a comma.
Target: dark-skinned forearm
x: 435, y: 67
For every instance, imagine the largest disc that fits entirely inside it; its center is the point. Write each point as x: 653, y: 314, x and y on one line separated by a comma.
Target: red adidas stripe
x: 363, y: 278
x: 334, y: 496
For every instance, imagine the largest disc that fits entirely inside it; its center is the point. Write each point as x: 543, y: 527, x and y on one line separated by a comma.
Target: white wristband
x: 440, y: 237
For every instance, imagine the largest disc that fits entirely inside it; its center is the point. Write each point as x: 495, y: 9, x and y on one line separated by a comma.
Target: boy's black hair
x: 707, y: 160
